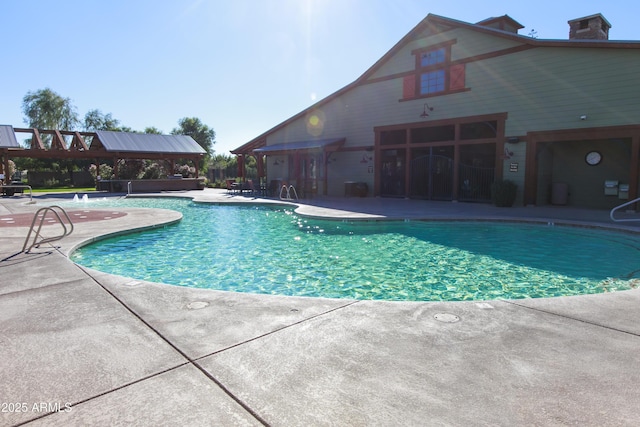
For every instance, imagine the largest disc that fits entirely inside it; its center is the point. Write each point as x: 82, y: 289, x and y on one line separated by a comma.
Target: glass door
x: 392, y: 179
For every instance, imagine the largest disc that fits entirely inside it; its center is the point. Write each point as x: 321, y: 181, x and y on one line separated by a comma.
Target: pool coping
x: 127, y: 349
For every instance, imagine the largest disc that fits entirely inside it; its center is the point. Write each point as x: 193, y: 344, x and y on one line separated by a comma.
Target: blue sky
x: 241, y: 66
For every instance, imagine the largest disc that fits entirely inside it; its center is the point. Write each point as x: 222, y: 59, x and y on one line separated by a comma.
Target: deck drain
x: 133, y: 283
x: 484, y: 305
x: 446, y: 317
x: 197, y: 305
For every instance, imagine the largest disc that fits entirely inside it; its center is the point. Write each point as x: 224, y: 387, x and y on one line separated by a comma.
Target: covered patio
x: 101, y: 146
x: 303, y: 164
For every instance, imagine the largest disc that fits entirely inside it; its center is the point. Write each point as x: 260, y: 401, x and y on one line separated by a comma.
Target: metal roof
x: 300, y: 145
x: 148, y: 143
x: 8, y: 137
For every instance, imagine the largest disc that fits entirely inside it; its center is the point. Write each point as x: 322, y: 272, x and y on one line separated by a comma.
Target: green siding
x: 549, y: 88
x: 542, y: 88
x: 469, y: 43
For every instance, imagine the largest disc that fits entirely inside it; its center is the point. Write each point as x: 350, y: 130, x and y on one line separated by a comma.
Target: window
x: 434, y: 73
x: 393, y: 137
x: 479, y: 130
x: 433, y: 57
x: 432, y: 82
x: 433, y: 134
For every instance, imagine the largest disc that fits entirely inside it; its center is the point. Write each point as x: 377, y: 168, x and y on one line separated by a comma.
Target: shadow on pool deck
x: 81, y: 347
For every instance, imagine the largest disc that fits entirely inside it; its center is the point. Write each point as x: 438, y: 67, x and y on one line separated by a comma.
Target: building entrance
x: 432, y: 173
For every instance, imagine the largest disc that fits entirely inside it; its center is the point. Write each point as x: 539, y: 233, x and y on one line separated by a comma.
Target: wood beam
x: 78, y: 143
x: 58, y: 142
x: 36, y: 141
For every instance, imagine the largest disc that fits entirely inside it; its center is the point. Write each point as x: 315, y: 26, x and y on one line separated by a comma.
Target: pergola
x: 98, y: 145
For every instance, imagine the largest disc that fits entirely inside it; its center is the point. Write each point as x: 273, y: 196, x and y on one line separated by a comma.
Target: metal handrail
x: 622, y: 206
x: 288, y: 194
x: 45, y: 210
x: 20, y: 186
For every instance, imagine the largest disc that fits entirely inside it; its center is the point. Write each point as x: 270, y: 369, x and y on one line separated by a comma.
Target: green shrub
x: 503, y: 193
x: 50, y: 183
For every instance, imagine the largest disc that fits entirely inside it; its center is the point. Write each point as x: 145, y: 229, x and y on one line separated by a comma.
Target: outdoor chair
x: 252, y: 188
x: 230, y: 185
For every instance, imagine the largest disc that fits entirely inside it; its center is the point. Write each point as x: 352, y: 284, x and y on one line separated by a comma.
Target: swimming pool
x: 261, y: 249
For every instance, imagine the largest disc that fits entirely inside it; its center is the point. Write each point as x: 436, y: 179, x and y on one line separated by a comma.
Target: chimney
x: 594, y: 27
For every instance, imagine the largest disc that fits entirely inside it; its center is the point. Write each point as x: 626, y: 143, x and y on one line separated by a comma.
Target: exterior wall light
x: 424, y: 114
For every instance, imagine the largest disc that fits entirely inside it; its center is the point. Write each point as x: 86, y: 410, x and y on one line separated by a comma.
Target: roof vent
x: 594, y: 27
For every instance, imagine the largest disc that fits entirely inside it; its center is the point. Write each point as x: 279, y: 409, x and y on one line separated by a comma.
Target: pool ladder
x: 611, y: 214
x: 288, y: 193
x: 42, y: 214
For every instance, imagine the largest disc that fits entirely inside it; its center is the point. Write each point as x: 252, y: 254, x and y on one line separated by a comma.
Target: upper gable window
x: 435, y: 74
x: 432, y: 82
x: 436, y: 56
x: 433, y: 78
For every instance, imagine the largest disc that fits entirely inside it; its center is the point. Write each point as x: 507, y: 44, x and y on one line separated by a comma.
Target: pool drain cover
x: 446, y: 317
x: 196, y: 305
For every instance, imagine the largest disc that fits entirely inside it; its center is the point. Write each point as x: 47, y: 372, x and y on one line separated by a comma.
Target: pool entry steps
x: 613, y: 211
x: 41, y: 214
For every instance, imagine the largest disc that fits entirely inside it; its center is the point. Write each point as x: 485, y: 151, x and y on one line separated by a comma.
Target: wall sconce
x: 513, y: 140
x: 583, y: 117
x: 424, y: 114
x: 276, y: 162
x: 366, y: 159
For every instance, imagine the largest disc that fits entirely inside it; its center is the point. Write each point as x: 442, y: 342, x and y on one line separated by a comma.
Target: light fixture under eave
x: 424, y: 114
x: 366, y: 159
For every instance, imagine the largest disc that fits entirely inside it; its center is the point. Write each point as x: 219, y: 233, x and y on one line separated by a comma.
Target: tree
x: 201, y: 133
x: 94, y: 120
x: 152, y: 130
x: 45, y: 109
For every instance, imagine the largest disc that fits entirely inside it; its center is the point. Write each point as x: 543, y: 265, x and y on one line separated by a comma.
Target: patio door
x: 476, y: 172
x: 432, y: 173
x: 392, y: 178
x: 310, y: 174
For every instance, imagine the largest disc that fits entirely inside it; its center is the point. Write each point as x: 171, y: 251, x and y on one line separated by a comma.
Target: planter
x: 503, y: 193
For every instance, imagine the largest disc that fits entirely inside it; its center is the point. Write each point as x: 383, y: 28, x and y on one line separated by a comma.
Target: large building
x: 454, y: 106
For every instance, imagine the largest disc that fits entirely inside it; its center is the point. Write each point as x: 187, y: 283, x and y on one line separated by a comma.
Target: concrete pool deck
x: 81, y: 347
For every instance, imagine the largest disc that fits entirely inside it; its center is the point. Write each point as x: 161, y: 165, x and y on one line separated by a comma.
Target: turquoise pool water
x: 274, y: 251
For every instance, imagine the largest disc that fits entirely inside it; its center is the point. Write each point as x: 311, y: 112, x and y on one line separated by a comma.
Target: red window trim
x: 447, y: 65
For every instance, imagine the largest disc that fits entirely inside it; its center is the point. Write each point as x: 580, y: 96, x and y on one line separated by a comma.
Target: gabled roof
x: 436, y: 24
x: 145, y: 143
x: 8, y: 137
